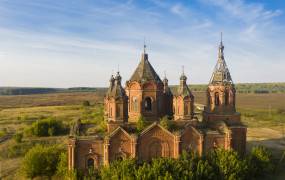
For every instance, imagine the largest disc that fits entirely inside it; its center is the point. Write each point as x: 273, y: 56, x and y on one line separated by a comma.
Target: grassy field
x: 264, y: 114
x: 56, y: 99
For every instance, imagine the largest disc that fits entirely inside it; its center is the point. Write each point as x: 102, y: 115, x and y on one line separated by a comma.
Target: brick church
x: 146, y: 95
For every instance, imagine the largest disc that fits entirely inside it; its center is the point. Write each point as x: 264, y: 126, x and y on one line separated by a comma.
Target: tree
x: 260, y: 162
x: 125, y: 169
x: 47, y: 127
x: 62, y: 166
x: 141, y: 124
x: 41, y: 161
x: 228, y: 164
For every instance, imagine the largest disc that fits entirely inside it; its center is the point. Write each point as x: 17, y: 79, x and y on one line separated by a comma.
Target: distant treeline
x: 250, y: 87
x: 27, y: 91
x: 24, y: 90
x: 241, y: 88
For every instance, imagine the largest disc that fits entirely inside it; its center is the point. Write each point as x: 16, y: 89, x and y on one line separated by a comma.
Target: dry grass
x: 54, y: 99
x: 255, y: 101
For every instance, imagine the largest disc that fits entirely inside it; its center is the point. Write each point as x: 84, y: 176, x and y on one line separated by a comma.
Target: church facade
x: 146, y: 95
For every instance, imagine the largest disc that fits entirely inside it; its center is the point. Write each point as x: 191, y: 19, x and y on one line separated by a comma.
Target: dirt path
x: 267, y: 137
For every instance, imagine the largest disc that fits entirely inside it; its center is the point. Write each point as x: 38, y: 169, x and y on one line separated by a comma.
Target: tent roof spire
x: 221, y: 72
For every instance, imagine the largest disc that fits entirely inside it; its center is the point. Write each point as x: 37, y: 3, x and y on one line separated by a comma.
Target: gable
x: 120, y: 133
x: 156, y: 130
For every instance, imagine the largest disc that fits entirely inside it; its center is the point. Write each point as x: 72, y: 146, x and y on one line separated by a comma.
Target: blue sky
x: 69, y: 43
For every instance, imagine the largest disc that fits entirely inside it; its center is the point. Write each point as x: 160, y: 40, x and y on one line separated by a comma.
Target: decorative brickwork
x: 146, y: 95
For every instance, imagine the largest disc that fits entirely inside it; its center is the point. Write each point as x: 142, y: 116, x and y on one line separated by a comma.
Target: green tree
x: 41, y: 161
x: 62, y: 166
x: 125, y: 170
x: 260, y: 162
x: 47, y: 127
x: 228, y: 164
x: 141, y: 124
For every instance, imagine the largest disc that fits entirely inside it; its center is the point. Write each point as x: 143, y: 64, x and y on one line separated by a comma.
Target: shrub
x: 41, y: 161
x: 125, y: 169
x: 18, y: 137
x: 141, y: 124
x: 228, y: 164
x: 86, y: 103
x: 16, y: 150
x: 217, y: 164
x: 47, y: 127
x: 260, y: 162
x: 62, y: 166
x: 166, y: 123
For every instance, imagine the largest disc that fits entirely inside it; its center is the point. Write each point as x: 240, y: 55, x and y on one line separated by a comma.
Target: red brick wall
x: 120, y: 146
x: 155, y: 143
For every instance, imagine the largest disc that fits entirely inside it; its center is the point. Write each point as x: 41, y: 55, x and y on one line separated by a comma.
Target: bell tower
x: 220, y: 111
x: 221, y: 93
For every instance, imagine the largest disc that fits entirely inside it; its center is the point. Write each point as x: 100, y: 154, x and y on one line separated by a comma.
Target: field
x: 264, y: 114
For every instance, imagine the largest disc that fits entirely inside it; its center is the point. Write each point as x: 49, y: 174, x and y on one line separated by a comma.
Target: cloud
x: 78, y: 44
x: 178, y: 9
x: 248, y: 12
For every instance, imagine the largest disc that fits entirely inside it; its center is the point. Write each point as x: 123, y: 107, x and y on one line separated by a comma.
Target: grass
x: 16, y: 119
x: 55, y: 99
x: 262, y: 117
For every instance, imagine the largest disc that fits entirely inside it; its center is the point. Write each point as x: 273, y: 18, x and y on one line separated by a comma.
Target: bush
x: 260, y: 162
x: 141, y: 124
x: 86, y: 103
x: 166, y: 123
x: 18, y: 137
x: 228, y: 164
x: 16, y: 150
x: 47, y: 127
x: 217, y: 164
x: 62, y: 166
x: 41, y: 161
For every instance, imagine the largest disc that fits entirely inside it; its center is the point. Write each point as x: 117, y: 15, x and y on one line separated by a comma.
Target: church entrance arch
x: 90, y: 163
x: 155, y: 150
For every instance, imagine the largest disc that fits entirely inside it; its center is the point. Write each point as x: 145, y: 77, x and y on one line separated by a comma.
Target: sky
x: 72, y: 43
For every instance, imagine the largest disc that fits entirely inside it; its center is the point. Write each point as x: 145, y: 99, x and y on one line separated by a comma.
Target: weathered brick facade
x: 146, y: 95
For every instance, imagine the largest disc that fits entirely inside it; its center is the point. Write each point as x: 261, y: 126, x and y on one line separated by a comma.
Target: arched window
x: 186, y: 109
x: 135, y: 104
x: 147, y: 104
x: 217, y: 99
x: 226, y: 98
x: 118, y: 111
x: 90, y: 163
x: 110, y: 112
